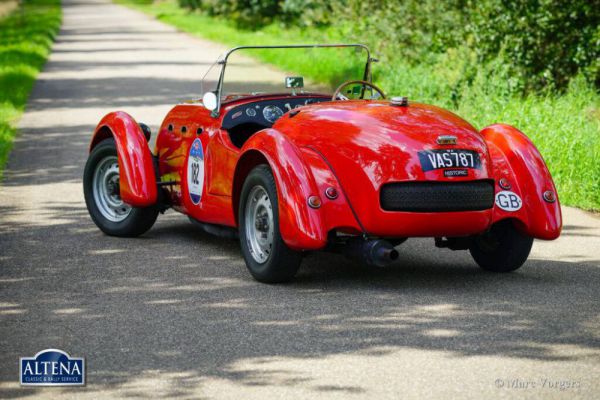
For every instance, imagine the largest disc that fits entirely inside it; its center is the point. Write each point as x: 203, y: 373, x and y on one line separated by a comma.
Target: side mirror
x: 292, y: 82
x: 210, y: 101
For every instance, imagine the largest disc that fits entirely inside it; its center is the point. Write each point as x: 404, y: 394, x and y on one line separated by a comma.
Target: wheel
x: 267, y: 257
x: 502, y: 249
x: 101, y: 191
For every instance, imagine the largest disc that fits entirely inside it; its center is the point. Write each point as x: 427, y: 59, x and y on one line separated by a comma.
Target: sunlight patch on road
x: 69, y: 311
x: 443, y: 333
x: 163, y: 301
x: 40, y: 205
x: 13, y: 311
x: 106, y: 251
x: 344, y: 375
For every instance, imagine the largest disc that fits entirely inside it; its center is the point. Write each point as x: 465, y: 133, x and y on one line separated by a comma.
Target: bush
x: 249, y: 14
x: 541, y: 44
x: 546, y: 42
x: 307, y: 13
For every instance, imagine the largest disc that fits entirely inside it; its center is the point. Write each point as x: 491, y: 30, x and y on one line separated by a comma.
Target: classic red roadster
x: 290, y: 170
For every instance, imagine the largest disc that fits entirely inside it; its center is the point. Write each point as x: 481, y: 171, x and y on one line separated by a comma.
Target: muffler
x: 375, y: 252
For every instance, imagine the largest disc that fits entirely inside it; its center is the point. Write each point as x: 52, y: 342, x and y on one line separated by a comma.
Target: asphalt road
x: 175, y: 314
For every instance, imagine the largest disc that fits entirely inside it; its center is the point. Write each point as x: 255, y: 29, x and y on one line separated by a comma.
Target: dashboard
x: 266, y: 112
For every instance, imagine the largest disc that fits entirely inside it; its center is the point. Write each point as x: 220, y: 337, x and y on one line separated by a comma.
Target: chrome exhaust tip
x: 375, y: 252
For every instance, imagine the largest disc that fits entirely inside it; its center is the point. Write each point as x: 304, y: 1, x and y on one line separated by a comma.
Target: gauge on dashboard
x: 272, y: 113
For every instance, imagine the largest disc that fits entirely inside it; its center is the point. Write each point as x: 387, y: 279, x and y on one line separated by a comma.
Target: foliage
x: 545, y: 42
x: 307, y: 13
x: 25, y: 39
x: 246, y: 13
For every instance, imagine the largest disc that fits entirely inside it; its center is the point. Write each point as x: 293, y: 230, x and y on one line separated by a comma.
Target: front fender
x: 299, y: 174
x: 516, y: 158
x: 136, y: 168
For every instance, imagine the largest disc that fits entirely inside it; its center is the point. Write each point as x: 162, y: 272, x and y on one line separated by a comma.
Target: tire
x: 103, y: 202
x: 502, y: 249
x: 267, y: 257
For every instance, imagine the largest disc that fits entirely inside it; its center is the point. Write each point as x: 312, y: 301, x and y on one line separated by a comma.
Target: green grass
x: 25, y: 39
x: 565, y: 127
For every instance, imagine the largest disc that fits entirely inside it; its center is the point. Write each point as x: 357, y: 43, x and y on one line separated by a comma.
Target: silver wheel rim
x: 259, y: 224
x: 106, y: 190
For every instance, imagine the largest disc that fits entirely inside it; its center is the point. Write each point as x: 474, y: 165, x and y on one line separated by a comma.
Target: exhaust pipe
x: 375, y: 253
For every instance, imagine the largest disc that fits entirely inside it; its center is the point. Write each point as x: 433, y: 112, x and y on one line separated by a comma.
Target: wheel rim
x: 105, y: 187
x: 259, y: 224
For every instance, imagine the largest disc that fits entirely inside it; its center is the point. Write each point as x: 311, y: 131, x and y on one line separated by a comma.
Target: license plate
x: 450, y: 158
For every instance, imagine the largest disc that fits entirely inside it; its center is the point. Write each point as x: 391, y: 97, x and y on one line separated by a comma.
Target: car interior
x: 245, y: 120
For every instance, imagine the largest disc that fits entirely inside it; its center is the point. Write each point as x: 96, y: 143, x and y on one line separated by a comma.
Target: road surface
x: 175, y: 314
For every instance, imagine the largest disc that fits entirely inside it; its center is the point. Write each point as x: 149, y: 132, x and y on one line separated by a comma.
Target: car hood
x: 370, y: 143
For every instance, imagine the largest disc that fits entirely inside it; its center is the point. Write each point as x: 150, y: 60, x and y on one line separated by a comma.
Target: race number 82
x: 195, y: 171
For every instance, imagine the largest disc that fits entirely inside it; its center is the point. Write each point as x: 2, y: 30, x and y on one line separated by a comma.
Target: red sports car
x: 290, y: 169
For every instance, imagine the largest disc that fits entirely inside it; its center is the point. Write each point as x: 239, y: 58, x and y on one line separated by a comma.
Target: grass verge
x: 26, y: 35
x: 565, y: 127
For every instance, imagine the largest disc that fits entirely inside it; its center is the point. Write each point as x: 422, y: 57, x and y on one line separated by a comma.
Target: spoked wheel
x: 267, y: 256
x: 103, y: 199
x: 502, y: 249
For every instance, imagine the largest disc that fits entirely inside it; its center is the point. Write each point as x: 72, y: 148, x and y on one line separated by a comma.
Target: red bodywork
x: 353, y: 146
x: 136, y: 170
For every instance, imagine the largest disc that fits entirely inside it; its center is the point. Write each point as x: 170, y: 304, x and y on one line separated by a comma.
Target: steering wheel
x: 338, y: 91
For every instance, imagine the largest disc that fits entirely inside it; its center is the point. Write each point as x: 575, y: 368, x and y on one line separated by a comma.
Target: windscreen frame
x: 225, y: 57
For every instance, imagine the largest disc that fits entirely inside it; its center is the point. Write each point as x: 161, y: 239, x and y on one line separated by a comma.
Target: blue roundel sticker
x: 195, y: 171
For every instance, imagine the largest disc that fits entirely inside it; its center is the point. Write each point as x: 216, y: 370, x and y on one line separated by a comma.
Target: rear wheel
x: 267, y: 256
x: 102, y: 197
x: 502, y: 249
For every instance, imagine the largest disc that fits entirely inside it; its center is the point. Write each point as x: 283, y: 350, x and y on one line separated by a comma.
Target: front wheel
x: 102, y: 197
x: 267, y: 256
x: 502, y: 249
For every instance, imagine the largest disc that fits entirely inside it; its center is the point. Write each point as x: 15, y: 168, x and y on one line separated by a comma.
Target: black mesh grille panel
x: 437, y: 196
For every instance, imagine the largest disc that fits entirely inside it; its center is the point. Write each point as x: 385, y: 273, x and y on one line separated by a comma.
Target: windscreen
x: 268, y: 70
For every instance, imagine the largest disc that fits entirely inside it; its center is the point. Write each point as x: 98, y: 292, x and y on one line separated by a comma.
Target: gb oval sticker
x: 508, y: 201
x: 195, y: 171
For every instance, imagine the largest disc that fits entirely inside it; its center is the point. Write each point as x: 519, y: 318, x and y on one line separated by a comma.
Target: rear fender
x: 516, y: 158
x: 136, y: 166
x: 301, y: 227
